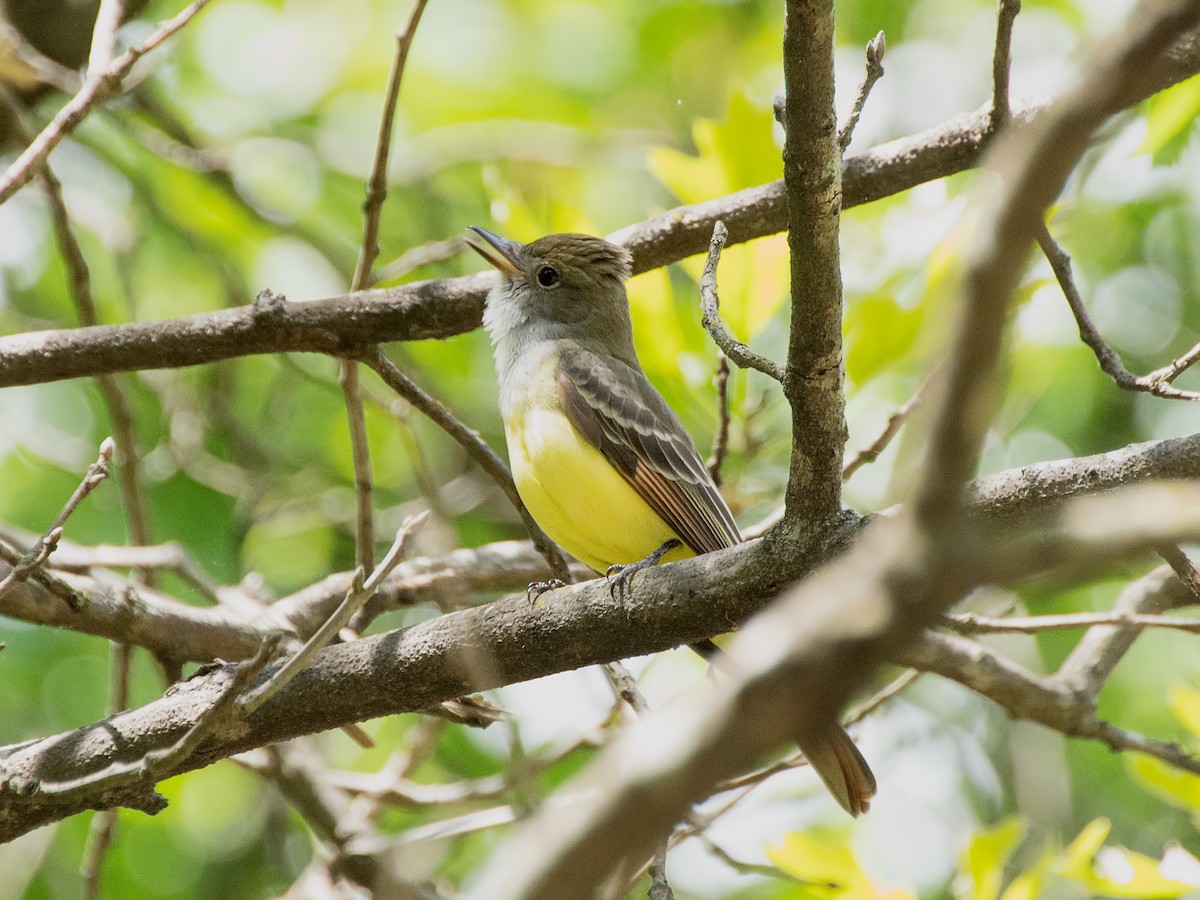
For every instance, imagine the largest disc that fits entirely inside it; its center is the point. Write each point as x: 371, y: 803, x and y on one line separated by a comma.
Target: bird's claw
x: 535, y: 590
x: 620, y: 578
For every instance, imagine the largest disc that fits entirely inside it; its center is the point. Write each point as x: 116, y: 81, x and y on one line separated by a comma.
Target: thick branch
x: 189, y: 633
x: 812, y: 174
x: 510, y: 641
x: 1014, y: 494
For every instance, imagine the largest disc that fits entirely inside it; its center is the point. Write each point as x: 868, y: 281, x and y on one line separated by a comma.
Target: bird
x: 600, y: 460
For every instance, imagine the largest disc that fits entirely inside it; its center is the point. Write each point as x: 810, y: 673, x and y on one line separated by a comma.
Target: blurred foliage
x: 238, y: 165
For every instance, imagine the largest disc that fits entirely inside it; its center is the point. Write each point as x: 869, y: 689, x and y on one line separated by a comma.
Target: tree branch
x: 1027, y: 696
x: 812, y: 174
x: 1157, y: 382
x: 446, y: 307
x: 181, y: 631
x: 710, y: 306
x: 505, y: 642
x: 97, y: 88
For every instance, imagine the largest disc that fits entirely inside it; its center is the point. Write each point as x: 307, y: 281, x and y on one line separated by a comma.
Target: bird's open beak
x: 500, y: 252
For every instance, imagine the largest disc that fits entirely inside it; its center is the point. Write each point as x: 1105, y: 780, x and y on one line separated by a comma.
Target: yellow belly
x: 577, y: 497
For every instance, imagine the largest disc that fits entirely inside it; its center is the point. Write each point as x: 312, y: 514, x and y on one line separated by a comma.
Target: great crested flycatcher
x: 601, y: 461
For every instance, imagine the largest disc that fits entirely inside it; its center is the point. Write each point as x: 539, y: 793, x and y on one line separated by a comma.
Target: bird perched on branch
x: 601, y: 461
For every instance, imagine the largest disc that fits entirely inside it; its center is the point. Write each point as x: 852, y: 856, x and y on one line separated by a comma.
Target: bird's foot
x: 620, y: 578
x: 534, y: 592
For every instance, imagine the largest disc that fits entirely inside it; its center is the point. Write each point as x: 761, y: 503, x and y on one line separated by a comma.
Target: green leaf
x: 1124, y: 873
x: 1179, y: 788
x: 828, y: 863
x: 1185, y: 704
x: 987, y: 855
x: 736, y: 152
x: 1077, y: 858
x: 1170, y: 121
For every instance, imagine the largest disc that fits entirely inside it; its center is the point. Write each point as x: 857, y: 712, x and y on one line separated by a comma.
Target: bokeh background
x: 238, y: 165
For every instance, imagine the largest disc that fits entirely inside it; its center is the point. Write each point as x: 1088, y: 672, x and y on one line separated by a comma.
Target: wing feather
x: 620, y: 413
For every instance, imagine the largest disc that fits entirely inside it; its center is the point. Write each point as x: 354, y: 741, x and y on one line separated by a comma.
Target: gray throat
x: 523, y: 339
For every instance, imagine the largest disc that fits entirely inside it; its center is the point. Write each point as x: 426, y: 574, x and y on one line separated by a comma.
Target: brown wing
x: 621, y: 414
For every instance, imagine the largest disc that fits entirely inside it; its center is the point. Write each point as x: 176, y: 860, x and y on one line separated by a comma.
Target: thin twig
x: 625, y: 687
x: 129, y: 479
x: 876, y: 49
x: 720, y: 445
x: 1173, y: 370
x: 970, y: 623
x: 376, y: 190
x: 1157, y: 382
x: 104, y: 36
x: 360, y: 452
x: 169, y: 557
x: 427, y: 482
x: 377, y: 181
x: 407, y: 794
x: 710, y: 305
x: 746, y: 868
x: 871, y: 452
x: 45, y: 545
x: 475, y: 447
x: 102, y: 829
x: 95, y: 90
x: 360, y: 592
x: 1001, y: 62
x: 417, y: 258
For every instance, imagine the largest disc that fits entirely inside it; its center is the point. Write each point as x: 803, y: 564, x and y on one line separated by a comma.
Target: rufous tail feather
x: 842, y: 767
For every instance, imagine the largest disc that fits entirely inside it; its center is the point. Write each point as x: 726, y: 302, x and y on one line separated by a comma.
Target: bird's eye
x: 548, y: 276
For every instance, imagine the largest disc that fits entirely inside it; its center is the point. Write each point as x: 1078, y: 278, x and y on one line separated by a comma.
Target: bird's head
x: 564, y: 279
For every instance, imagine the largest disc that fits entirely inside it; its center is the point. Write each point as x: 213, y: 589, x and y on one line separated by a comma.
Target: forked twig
x: 360, y: 592
x: 376, y: 190
x: 1159, y: 382
x: 37, y: 554
x: 710, y: 305
x: 97, y: 87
